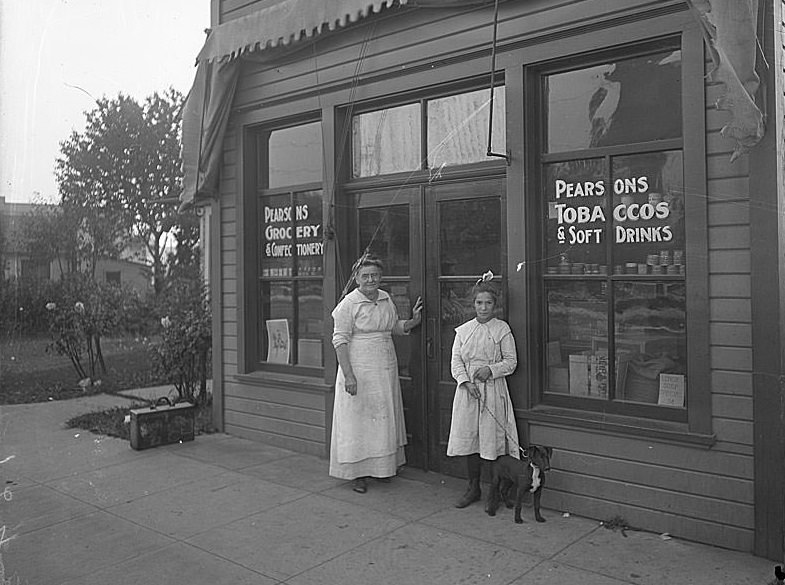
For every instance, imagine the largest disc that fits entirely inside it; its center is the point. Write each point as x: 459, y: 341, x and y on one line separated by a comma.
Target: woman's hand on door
x: 416, y: 315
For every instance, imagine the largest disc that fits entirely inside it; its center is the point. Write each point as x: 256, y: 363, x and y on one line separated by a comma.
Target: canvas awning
x: 730, y: 31
x: 207, y: 107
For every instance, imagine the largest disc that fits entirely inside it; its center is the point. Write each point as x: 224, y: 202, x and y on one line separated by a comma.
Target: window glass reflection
x: 651, y: 342
x: 619, y: 102
x: 386, y: 141
x: 576, y: 350
x: 470, y: 236
x: 458, y: 127
x: 387, y: 231
x: 576, y: 193
x: 276, y: 324
x: 308, y: 233
x: 648, y: 213
x: 275, y: 246
x: 310, y: 323
x: 295, y: 155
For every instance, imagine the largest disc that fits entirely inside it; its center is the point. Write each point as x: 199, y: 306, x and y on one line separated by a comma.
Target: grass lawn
x: 28, y: 373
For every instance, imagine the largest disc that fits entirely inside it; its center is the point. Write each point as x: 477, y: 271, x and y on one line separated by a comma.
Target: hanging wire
x: 492, y: 76
x: 344, y: 135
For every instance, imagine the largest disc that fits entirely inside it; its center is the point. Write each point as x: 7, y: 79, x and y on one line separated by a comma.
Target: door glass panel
x: 386, y: 141
x: 470, y: 236
x: 399, y: 292
x: 387, y: 231
x: 458, y: 127
x: 618, y: 102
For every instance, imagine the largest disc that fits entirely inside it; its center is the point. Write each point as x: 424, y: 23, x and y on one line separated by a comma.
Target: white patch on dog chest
x: 535, y: 477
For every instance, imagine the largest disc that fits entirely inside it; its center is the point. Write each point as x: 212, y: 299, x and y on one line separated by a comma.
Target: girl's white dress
x: 473, y: 429
x: 368, y: 433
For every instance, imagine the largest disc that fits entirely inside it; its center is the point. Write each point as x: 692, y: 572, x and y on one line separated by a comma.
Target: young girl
x: 483, y: 422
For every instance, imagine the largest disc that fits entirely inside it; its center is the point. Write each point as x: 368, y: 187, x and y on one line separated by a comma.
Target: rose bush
x: 182, y: 356
x: 83, y: 313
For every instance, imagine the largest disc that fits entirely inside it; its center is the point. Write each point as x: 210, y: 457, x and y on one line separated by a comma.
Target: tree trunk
x: 100, y: 354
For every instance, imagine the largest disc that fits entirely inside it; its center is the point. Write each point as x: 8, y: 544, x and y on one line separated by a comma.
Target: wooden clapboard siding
x: 732, y: 406
x: 285, y: 417
x: 698, y: 494
x: 661, y: 456
x: 654, y: 520
x: 711, y: 485
x: 232, y: 9
x: 725, y: 213
x: 730, y: 261
x: 731, y: 358
x: 731, y: 310
x: 281, y: 412
x: 731, y: 334
x: 726, y: 382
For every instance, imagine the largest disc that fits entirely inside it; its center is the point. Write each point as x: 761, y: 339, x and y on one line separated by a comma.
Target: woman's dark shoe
x: 472, y: 494
x: 360, y: 485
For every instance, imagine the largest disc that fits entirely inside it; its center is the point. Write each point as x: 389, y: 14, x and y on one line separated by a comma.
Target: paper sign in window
x: 278, y: 341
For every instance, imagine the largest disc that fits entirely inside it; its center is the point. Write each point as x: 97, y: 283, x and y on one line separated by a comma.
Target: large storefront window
x: 290, y: 249
x: 612, y: 179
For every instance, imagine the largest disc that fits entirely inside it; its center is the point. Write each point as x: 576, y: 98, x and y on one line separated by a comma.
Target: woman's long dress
x: 368, y: 434
x: 473, y: 428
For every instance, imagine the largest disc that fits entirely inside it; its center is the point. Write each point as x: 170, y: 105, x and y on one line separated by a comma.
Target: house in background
x: 622, y: 179
x: 130, y: 269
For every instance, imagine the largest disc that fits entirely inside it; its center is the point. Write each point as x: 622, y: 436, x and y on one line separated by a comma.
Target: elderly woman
x: 368, y: 432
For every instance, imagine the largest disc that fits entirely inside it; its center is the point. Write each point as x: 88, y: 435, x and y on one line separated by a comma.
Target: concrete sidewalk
x: 82, y: 508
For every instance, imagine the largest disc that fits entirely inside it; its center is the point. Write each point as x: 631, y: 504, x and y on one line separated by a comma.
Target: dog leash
x: 484, y: 406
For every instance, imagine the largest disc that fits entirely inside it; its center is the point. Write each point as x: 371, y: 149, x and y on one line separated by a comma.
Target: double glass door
x: 435, y: 240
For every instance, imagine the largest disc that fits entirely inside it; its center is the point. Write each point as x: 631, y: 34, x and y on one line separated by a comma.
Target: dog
x: 525, y: 475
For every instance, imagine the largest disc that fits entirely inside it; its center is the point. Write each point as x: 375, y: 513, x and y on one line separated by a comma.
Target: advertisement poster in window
x: 278, y: 341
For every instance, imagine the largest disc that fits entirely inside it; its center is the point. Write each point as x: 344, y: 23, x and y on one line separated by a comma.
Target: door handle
x: 430, y: 332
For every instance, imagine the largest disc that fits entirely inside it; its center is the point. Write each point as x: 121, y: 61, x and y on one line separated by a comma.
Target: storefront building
x: 592, y: 172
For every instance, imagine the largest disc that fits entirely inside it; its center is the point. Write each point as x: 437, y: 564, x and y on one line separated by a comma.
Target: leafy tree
x: 154, y: 201
x: 121, y: 176
x: 94, y: 172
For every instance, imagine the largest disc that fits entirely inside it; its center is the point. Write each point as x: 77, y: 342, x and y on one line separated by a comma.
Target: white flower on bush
x: 166, y: 322
x: 79, y: 308
x: 51, y: 306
